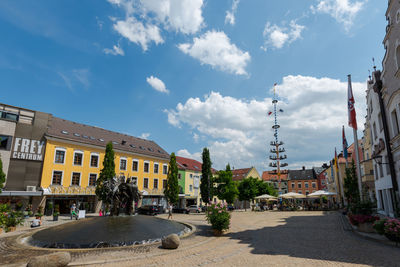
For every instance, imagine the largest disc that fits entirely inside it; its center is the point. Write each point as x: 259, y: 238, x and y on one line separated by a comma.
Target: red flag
x: 350, y: 105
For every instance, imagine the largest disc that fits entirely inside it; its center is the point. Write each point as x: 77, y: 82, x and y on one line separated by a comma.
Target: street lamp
x: 378, y: 160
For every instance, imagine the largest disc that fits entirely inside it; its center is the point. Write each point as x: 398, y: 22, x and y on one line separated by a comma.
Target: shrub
x: 364, y: 208
x: 360, y: 218
x: 392, y: 228
x: 56, y: 210
x: 39, y: 212
x: 218, y: 216
x: 379, y: 226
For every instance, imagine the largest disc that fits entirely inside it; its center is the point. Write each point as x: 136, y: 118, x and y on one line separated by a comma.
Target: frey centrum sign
x: 27, y: 149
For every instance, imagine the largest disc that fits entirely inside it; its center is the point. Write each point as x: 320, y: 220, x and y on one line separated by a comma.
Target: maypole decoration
x: 276, y: 146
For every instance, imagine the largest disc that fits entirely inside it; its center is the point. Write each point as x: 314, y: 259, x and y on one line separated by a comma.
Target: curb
x: 348, y: 227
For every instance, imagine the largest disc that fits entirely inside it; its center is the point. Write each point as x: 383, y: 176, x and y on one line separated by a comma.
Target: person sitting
x: 36, y: 222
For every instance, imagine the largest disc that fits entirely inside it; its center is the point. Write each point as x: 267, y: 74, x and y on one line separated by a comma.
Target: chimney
x: 304, y: 168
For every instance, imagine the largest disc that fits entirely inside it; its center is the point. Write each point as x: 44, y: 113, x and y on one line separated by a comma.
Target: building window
x: 299, y: 185
x: 380, y: 122
x: 306, y: 185
x: 5, y: 142
x: 376, y: 172
x: 179, y: 176
x: 164, y: 183
x: 155, y: 167
x: 374, y: 128
x: 92, y: 179
x: 135, y: 165
x: 380, y: 170
x: 314, y: 185
x: 78, y: 157
x: 94, y: 160
x: 307, y: 193
x: 146, y: 183
x: 60, y: 156
x: 191, y: 188
x: 122, y: 164
x: 134, y: 180
x: 387, y: 165
x: 395, y: 123
x: 57, y: 177
x: 292, y: 185
x: 146, y: 167
x: 155, y: 183
x: 165, y: 169
x: 76, y: 177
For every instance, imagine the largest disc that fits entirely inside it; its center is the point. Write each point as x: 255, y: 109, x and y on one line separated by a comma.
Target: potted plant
x: 392, y: 230
x: 49, y: 209
x: 39, y: 212
x: 379, y: 226
x: 364, y: 223
x: 56, y: 212
x: 11, y: 220
x: 219, y: 217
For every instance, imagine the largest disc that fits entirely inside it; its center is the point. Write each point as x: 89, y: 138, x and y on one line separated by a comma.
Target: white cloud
x: 139, y: 33
x: 343, y: 11
x: 214, y: 48
x: 116, y: 50
x: 238, y: 131
x: 277, y: 37
x: 157, y: 84
x: 186, y: 154
x: 144, y: 19
x: 144, y: 135
x: 230, y: 14
x: 180, y: 15
x: 75, y: 78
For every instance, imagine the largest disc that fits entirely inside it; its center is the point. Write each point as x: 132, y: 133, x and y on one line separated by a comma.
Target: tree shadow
x: 317, y: 237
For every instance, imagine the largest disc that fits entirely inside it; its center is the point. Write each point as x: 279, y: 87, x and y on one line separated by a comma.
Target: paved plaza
x: 255, y: 239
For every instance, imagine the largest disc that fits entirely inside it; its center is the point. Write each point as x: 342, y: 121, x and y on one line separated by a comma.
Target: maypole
x: 276, y: 150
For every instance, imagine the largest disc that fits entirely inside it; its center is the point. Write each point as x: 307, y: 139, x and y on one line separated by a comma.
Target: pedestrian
x: 36, y: 222
x: 73, y: 211
x: 100, y: 213
x: 170, y: 212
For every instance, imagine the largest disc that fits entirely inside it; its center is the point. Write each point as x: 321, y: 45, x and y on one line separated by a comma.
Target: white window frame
x: 55, y: 152
x: 98, y: 159
x: 97, y: 176
x: 137, y: 161
x: 62, y: 177
x: 148, y: 180
x: 126, y: 163
x: 293, y: 186
x: 158, y: 167
x: 313, y: 185
x: 80, y: 178
x: 190, y: 188
x: 166, y: 168
x: 299, y: 185
x: 158, y: 185
x: 136, y: 178
x: 83, y: 157
x: 144, y: 163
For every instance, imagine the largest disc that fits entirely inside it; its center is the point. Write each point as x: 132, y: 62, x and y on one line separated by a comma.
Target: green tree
x: 206, y: 185
x: 351, y: 186
x: 171, y: 191
x: 2, y: 176
x: 226, y: 189
x: 266, y: 188
x: 248, y: 189
x: 107, y: 173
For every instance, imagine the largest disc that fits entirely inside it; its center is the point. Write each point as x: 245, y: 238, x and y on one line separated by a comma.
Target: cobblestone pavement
x: 257, y: 239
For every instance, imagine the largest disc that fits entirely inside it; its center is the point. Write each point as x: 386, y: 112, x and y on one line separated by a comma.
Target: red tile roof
x: 240, y: 174
x: 188, y: 164
x: 272, y: 175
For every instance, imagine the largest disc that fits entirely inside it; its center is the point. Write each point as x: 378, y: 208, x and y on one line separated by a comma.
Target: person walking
x: 170, y: 212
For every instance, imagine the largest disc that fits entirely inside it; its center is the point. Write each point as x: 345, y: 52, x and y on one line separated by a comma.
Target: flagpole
x: 353, y: 124
x: 341, y: 183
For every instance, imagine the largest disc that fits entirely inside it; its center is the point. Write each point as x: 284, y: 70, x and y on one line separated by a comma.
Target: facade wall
x: 253, y: 173
x: 304, y: 187
x: 7, y: 128
x: 68, y: 167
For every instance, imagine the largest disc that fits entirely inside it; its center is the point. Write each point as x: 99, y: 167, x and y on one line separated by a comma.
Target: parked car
x: 149, y: 210
x: 180, y: 210
x: 194, y: 208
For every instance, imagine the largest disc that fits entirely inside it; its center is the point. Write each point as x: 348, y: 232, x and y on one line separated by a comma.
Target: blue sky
x: 195, y: 73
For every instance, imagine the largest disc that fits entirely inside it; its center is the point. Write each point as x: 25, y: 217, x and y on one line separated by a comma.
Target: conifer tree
x: 171, y: 191
x: 107, y: 173
x: 226, y: 188
x: 206, y: 178
x: 2, y: 176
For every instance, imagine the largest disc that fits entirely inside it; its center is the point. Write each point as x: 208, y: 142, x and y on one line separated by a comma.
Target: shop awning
x: 21, y: 193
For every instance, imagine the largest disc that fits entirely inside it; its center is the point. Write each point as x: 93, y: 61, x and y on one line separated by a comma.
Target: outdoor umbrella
x: 292, y: 195
x: 321, y: 193
x: 266, y: 196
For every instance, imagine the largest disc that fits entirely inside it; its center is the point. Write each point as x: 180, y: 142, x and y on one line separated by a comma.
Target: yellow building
x: 74, y: 156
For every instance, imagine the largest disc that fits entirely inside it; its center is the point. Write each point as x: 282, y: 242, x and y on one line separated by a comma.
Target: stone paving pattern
x: 255, y: 239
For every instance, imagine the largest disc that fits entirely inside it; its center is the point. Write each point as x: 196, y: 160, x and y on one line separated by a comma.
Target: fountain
x: 110, y: 231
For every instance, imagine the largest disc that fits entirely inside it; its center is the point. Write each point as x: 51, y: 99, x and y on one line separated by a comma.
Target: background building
x: 190, y: 176
x: 302, y: 181
x: 271, y: 177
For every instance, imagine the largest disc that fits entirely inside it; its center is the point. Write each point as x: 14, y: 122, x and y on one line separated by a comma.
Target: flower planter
x: 1, y: 230
x: 12, y: 228
x: 367, y: 227
x: 55, y: 218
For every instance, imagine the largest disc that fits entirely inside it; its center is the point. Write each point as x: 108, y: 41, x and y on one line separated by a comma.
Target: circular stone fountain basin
x: 100, y: 232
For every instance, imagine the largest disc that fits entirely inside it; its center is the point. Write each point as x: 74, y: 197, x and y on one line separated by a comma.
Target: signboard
x: 28, y: 149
